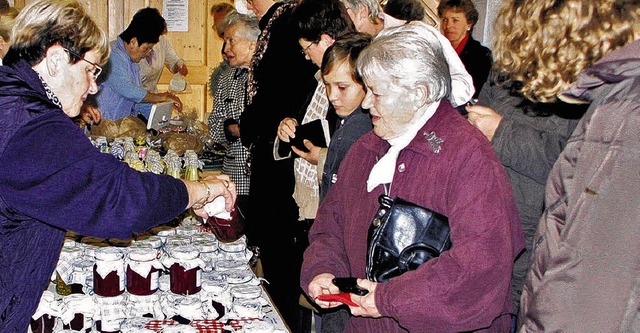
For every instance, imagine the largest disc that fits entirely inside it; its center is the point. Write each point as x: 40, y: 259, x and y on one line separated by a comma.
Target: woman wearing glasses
x: 51, y: 178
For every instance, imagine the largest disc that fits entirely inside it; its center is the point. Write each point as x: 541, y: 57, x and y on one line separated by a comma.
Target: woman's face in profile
x: 389, y: 104
x: 77, y: 82
x: 343, y: 92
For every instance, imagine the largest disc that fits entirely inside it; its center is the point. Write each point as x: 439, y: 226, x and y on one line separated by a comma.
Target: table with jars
x: 171, y: 279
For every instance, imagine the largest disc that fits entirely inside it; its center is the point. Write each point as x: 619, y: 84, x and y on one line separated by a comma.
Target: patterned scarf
x: 50, y: 94
x: 261, y: 48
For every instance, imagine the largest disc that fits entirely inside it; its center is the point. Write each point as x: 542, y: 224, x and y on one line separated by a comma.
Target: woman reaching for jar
x: 51, y: 178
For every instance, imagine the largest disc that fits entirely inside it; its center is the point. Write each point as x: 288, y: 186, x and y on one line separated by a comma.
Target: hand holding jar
x: 209, y: 188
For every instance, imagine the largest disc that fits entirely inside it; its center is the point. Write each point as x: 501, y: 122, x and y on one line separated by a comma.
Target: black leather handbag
x: 402, y: 237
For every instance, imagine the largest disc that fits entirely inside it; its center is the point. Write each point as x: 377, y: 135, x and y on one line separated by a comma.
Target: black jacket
x: 477, y: 60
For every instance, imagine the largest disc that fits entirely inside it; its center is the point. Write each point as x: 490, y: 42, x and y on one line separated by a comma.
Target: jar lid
x: 246, y: 292
x: 224, y: 265
x: 214, y: 286
x: 171, y: 242
x: 185, y: 252
x: 235, y: 246
x: 176, y: 240
x: 237, y: 276
x: 215, y: 276
x: 141, y: 245
x: 69, y: 243
x: 204, y: 236
x: 187, y: 230
x: 83, y: 265
x: 142, y: 254
x: 154, y: 241
x: 247, y: 308
x: 206, y: 245
x: 109, y: 253
x: 69, y: 252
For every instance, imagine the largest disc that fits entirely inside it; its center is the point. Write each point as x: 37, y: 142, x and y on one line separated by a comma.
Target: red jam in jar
x: 44, y: 324
x: 108, y: 272
x: 143, y: 271
x: 185, y: 270
x: 81, y: 307
x: 77, y: 324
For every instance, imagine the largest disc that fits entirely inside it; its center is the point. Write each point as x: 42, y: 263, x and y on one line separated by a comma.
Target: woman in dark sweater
x: 458, y: 19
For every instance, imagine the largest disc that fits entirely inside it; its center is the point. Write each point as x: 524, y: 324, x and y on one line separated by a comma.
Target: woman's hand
x: 183, y: 70
x: 209, y: 188
x: 484, y: 119
x: 322, y: 284
x: 169, y: 97
x: 90, y: 114
x: 367, y: 303
x: 287, y: 129
x: 313, y: 154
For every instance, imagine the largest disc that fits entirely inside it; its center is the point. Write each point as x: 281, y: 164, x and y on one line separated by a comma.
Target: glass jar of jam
x: 82, y: 272
x: 188, y: 307
x: 108, y: 272
x: 44, y: 320
x: 64, y: 268
x: 154, y: 241
x: 236, y: 250
x: 78, y: 312
x: 143, y: 271
x: 185, y: 269
x: 208, y: 252
x: 111, y: 313
x: 144, y: 306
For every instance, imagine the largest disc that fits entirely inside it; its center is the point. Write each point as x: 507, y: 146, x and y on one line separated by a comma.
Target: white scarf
x: 383, y: 171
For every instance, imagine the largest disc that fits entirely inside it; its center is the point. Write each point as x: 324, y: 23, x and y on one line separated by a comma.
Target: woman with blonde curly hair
x: 582, y: 274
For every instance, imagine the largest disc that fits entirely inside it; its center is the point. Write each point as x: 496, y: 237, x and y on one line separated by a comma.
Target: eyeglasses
x: 305, y: 49
x: 95, y: 72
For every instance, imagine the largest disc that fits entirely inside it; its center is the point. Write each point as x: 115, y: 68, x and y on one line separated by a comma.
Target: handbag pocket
x: 403, y: 236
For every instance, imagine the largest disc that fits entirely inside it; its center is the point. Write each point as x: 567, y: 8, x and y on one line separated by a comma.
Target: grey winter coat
x: 528, y: 141
x: 585, y: 266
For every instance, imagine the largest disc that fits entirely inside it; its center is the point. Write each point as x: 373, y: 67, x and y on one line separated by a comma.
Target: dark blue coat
x: 52, y: 180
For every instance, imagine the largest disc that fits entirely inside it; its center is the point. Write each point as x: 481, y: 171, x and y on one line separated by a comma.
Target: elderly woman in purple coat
x: 423, y: 151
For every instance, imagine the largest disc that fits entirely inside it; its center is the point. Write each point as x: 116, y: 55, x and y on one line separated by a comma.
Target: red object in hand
x: 344, y: 298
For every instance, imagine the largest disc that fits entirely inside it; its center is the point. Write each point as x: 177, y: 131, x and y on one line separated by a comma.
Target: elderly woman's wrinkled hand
x: 287, y: 129
x: 322, y: 284
x: 485, y: 119
x: 218, y: 185
x: 366, y: 305
x: 90, y: 114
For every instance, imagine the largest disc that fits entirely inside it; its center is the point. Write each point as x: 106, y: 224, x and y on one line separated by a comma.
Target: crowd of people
x: 527, y: 146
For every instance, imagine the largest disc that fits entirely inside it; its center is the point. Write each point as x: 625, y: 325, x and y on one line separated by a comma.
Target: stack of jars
x: 100, y: 285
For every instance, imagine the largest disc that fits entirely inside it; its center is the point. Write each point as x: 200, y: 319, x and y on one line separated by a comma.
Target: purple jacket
x: 467, y: 287
x: 52, y: 180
